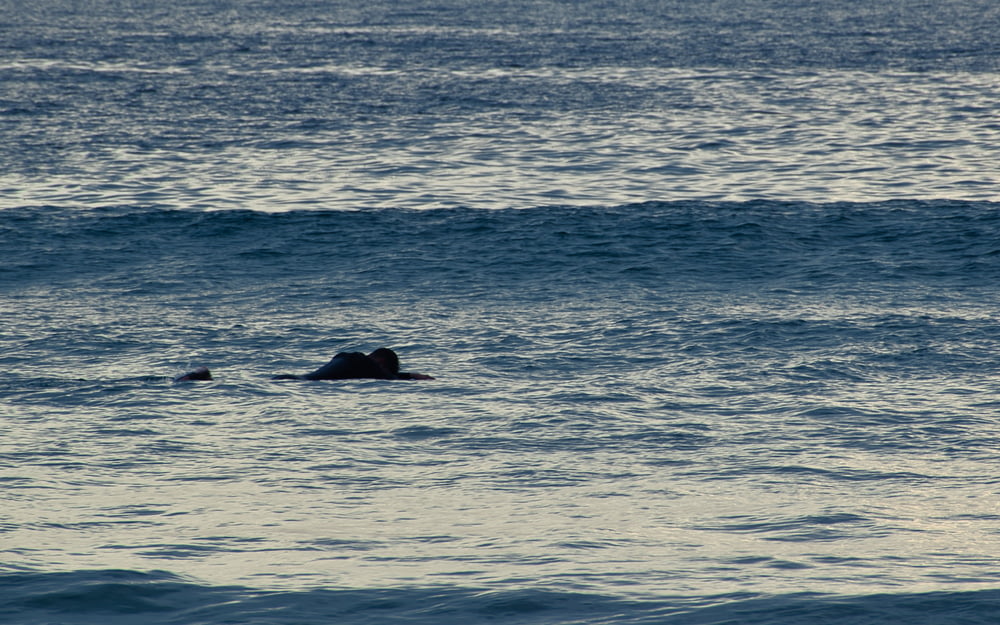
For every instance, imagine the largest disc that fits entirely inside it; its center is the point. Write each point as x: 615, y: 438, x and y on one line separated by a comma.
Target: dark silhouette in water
x: 201, y: 373
x: 381, y: 364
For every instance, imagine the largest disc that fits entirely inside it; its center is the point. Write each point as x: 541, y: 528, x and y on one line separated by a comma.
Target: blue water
x: 709, y: 291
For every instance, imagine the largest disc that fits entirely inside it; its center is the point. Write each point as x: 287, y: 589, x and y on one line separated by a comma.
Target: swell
x: 160, y: 598
x: 782, y: 245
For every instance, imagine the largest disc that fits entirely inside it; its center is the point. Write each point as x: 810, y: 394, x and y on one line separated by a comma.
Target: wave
x: 785, y: 245
x: 161, y: 598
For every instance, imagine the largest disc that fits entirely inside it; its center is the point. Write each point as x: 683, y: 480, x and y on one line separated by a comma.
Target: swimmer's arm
x: 414, y: 376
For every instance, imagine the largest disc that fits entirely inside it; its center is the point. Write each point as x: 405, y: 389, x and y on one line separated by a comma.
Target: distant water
x: 291, y: 105
x: 709, y: 290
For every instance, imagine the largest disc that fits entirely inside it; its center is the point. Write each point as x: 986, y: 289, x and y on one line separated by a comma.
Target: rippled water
x: 211, y: 106
x: 674, y: 134
x: 686, y: 404
x: 732, y: 359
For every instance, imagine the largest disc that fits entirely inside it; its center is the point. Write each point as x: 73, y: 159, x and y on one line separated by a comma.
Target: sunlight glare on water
x: 681, y: 134
x: 731, y: 359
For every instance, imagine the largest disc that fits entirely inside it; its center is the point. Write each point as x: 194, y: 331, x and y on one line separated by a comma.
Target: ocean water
x: 709, y: 291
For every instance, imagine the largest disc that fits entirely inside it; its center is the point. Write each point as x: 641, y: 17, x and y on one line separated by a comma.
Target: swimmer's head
x: 386, y: 358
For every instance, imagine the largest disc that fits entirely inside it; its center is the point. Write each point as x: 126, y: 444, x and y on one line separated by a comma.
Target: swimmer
x: 201, y: 373
x: 381, y: 364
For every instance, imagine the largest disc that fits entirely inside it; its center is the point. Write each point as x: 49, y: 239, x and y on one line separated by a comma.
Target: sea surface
x: 709, y: 290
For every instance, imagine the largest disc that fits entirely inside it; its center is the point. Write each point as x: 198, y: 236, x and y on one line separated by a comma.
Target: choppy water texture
x: 725, y: 350
x: 512, y: 104
x: 708, y: 403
